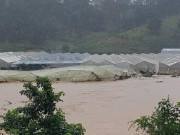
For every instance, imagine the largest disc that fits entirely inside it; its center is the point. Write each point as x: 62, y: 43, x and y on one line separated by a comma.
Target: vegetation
x: 164, y: 121
x: 26, y: 67
x: 105, y: 26
x: 40, y: 116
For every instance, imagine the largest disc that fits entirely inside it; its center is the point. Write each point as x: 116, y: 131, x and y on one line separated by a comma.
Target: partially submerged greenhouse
x: 12, y: 76
x: 99, y: 72
x: 163, y: 68
x: 121, y: 62
x: 165, y: 63
x: 71, y: 74
x: 162, y: 63
x: 174, y: 68
x: 105, y: 59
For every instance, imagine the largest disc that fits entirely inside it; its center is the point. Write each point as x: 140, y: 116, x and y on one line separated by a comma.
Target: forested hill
x: 104, y: 26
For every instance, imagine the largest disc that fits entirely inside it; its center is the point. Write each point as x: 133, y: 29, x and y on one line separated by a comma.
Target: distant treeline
x: 36, y: 21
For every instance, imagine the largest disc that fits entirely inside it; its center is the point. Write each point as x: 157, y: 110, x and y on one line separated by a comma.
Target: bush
x: 26, y: 67
x: 164, y: 121
x: 40, y: 116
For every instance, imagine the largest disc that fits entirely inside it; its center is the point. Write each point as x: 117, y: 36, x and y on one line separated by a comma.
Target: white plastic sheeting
x: 98, y: 60
x: 168, y: 63
x: 7, y: 58
x: 120, y: 61
x: 54, y: 60
x: 162, y: 63
x: 69, y: 74
x: 170, y: 50
x: 105, y: 59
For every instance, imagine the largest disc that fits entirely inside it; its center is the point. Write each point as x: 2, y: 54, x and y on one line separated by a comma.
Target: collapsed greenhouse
x: 83, y: 67
x: 72, y: 74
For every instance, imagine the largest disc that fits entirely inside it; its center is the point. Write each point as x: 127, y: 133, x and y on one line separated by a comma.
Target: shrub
x: 164, y: 121
x: 40, y: 116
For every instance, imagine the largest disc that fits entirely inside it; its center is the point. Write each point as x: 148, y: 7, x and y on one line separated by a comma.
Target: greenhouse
x: 12, y: 76
x: 9, y: 58
x: 98, y: 60
x: 162, y: 63
x: 163, y: 68
x: 105, y: 59
x: 121, y: 62
x: 70, y: 74
x: 170, y: 50
x: 4, y: 64
x: 174, y: 68
x: 139, y: 63
x: 101, y: 72
x: 53, y: 60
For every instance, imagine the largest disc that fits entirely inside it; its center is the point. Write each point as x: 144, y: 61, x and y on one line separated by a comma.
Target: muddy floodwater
x: 104, y: 108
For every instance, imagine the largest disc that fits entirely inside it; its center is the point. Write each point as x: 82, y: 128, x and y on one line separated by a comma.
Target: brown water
x: 104, y: 108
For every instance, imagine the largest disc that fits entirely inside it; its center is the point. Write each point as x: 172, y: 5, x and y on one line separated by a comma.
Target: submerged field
x: 104, y: 108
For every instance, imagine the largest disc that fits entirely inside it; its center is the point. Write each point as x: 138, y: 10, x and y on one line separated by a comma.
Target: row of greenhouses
x: 54, y: 60
x: 8, y: 58
x: 162, y: 63
x: 157, y: 63
x: 69, y: 74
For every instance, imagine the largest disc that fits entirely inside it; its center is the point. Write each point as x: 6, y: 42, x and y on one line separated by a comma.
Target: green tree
x: 154, y: 26
x: 40, y: 116
x: 164, y: 121
x: 117, y: 15
x: 178, y: 26
x: 65, y: 48
x: 76, y: 16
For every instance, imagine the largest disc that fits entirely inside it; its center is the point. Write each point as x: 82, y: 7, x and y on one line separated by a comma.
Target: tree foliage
x: 165, y: 120
x: 36, y: 22
x: 40, y: 116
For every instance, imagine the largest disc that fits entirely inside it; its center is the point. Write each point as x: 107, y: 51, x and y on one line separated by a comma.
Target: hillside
x: 136, y: 40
